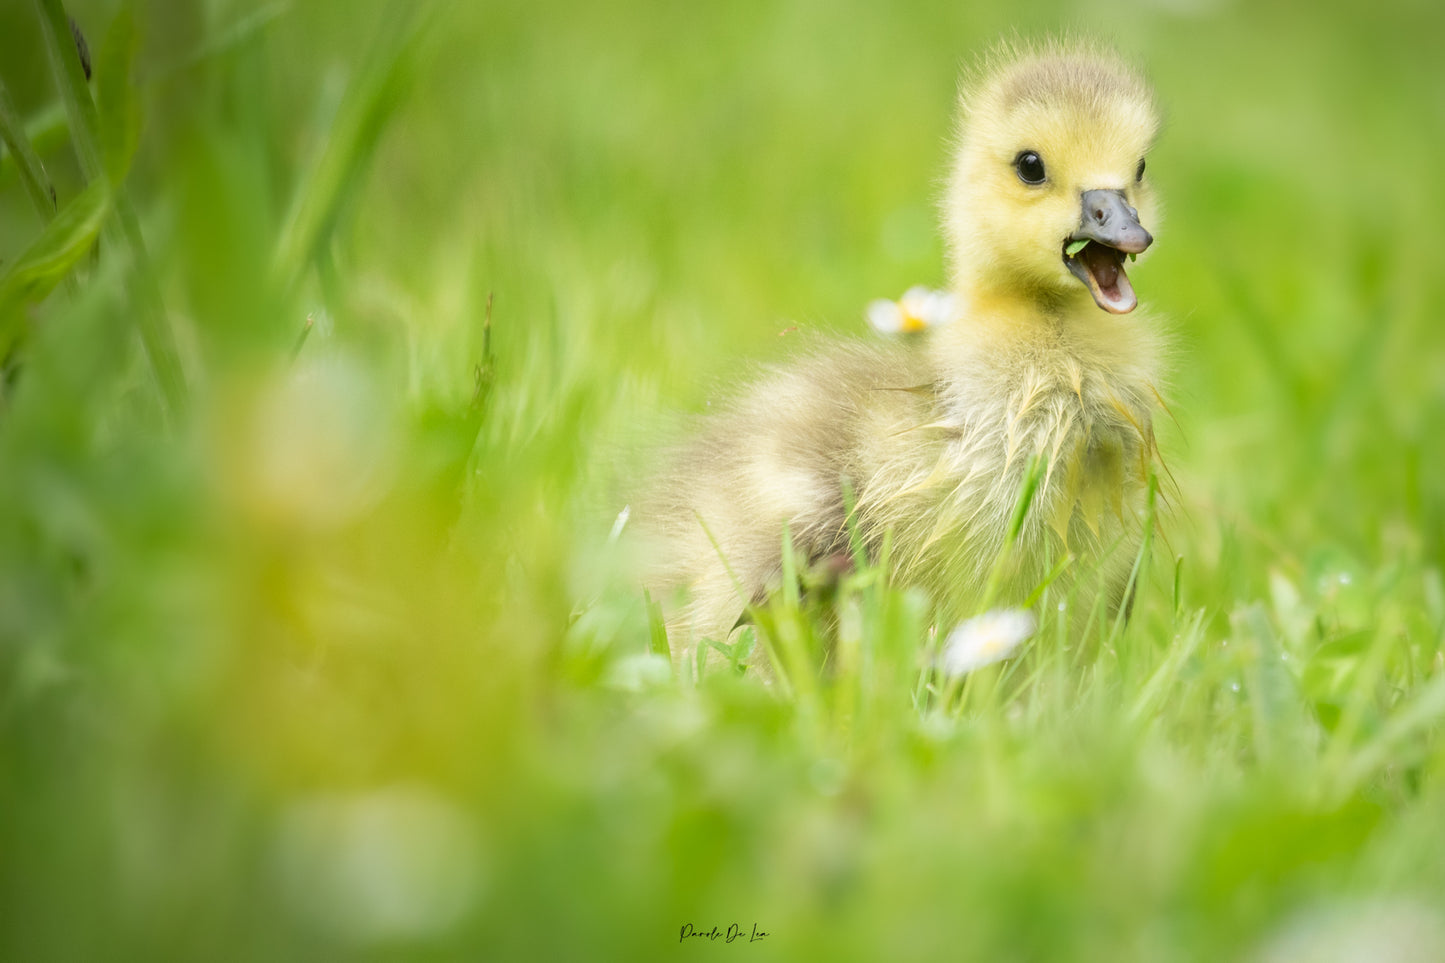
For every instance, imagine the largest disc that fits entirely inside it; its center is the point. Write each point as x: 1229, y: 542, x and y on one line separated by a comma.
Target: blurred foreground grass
x: 333, y: 660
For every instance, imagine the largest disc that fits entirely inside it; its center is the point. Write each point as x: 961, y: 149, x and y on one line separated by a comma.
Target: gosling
x: 932, y: 436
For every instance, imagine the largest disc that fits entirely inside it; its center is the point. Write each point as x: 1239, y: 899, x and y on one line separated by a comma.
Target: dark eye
x: 1030, y: 167
x: 1139, y: 174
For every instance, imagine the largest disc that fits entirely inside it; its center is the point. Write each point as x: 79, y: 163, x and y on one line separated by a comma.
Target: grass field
x: 312, y: 645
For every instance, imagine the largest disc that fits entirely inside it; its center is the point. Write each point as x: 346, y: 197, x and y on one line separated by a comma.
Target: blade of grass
x: 156, y: 335
x: 727, y: 566
x: 1163, y: 677
x: 656, y: 628
x: 355, y: 133
x: 45, y: 131
x: 1358, y: 702
x: 1029, y: 486
x: 856, y: 548
x: 27, y: 162
x: 242, y: 30
x: 118, y: 112
x: 1049, y: 579
x: 305, y: 333
x: 74, y: 92
x: 155, y: 330
x: 50, y: 257
x: 1283, y: 726
x: 748, y: 608
x: 1141, y: 559
x: 958, y: 686
x: 788, y: 626
x: 1425, y: 709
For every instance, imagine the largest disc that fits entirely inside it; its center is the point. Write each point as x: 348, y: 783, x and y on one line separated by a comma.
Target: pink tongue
x: 1102, y: 265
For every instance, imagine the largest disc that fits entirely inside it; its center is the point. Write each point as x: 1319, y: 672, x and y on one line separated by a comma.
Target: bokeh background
x: 334, y: 661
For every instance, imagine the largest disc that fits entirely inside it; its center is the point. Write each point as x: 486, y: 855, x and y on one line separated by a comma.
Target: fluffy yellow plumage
x: 933, y: 434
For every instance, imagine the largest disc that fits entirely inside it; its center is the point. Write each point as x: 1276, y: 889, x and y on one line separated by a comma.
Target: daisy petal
x: 885, y: 316
x: 985, y: 639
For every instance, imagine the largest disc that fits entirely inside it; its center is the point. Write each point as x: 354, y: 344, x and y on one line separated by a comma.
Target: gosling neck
x: 1020, y: 304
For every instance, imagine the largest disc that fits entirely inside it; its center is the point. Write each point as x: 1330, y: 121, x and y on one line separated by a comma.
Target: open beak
x: 1111, y: 229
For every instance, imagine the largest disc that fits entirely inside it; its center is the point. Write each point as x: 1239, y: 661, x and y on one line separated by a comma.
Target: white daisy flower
x: 985, y: 639
x: 919, y: 308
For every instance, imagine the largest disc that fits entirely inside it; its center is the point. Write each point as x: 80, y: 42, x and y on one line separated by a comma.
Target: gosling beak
x: 1108, y: 229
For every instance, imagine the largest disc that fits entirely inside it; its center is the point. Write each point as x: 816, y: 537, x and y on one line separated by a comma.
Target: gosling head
x: 1048, y: 193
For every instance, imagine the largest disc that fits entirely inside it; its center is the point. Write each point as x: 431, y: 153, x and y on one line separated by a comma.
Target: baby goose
x: 934, y: 434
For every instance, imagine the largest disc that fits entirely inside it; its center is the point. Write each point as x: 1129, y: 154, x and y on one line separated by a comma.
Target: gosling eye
x: 1030, y: 167
x: 1139, y: 174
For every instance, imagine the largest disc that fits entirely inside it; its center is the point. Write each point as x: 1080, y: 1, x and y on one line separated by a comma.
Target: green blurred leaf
x: 21, y: 153
x: 245, y: 29
x: 370, y: 100
x: 150, y: 316
x: 1425, y: 709
x: 1167, y: 675
x: 1283, y: 727
x: 117, y: 105
x: 74, y: 91
x: 656, y: 628
x: 49, y: 259
x: 1331, y: 669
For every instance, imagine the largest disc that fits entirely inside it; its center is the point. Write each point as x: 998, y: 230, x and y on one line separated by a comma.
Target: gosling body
x: 932, y: 435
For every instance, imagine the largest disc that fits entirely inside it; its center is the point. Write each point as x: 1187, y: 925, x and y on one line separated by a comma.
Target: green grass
x: 313, y: 645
